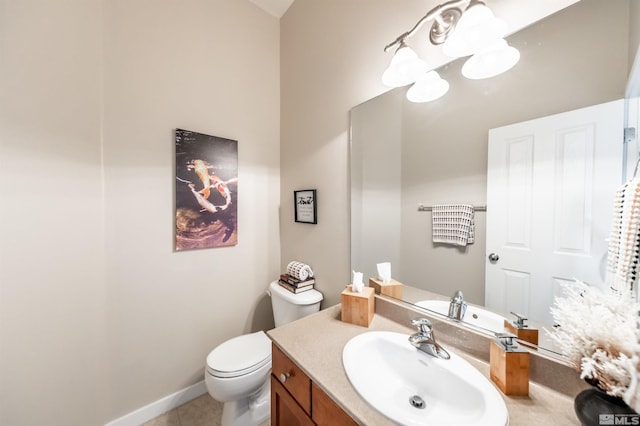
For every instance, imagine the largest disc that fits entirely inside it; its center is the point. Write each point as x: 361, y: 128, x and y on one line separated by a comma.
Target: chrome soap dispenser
x: 509, y: 365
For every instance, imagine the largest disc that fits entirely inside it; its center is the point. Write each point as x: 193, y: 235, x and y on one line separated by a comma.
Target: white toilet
x: 238, y: 370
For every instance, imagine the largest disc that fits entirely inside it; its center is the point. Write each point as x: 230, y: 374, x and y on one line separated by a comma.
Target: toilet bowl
x: 237, y: 371
x: 237, y: 374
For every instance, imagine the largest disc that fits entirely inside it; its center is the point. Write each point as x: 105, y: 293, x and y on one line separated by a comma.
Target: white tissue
x: 356, y: 282
x: 384, y: 272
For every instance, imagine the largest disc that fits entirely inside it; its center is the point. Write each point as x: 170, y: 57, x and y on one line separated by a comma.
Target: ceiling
x: 276, y: 8
x: 518, y: 13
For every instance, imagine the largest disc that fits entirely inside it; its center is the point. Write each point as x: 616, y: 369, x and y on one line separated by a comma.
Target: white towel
x: 453, y: 224
x: 624, y: 241
x: 299, y: 270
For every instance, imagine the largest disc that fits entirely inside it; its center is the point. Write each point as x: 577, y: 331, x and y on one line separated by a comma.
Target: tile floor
x: 202, y: 411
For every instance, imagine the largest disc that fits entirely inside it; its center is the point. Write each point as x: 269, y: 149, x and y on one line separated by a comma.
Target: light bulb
x: 477, y: 29
x: 405, y: 68
x: 494, y: 60
x: 429, y: 86
x: 477, y: 13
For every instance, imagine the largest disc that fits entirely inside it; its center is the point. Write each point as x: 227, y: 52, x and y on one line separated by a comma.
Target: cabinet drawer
x: 292, y: 378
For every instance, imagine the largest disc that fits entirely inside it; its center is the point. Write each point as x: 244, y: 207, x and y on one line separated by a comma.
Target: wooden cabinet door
x: 285, y: 411
x: 296, y: 400
x: 325, y: 412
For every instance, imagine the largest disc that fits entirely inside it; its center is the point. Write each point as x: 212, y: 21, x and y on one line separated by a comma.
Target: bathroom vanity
x: 309, y: 384
x: 296, y: 399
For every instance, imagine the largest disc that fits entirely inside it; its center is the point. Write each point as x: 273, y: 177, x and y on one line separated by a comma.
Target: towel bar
x: 423, y: 208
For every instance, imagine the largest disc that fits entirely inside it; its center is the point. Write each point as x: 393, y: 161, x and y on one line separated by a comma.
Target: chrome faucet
x: 457, y: 306
x: 425, y: 341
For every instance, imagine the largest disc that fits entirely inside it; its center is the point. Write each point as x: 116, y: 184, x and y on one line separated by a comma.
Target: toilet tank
x: 288, y: 307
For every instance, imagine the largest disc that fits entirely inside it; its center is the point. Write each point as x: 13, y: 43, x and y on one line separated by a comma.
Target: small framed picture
x: 305, y: 206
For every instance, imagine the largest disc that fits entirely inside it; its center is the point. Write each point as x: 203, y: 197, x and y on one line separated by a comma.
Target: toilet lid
x: 240, y: 355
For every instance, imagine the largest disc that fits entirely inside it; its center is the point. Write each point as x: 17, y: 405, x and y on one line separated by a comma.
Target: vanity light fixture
x: 463, y: 28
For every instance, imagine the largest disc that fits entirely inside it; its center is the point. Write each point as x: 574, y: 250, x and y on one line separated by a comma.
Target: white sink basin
x: 388, y: 372
x: 474, y: 315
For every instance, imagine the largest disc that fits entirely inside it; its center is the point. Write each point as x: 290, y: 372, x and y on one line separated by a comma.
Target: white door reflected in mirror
x: 550, y: 188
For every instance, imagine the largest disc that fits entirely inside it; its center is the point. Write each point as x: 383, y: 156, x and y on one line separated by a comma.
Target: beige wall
x: 53, y: 357
x: 98, y: 315
x: 330, y: 54
x: 376, y: 183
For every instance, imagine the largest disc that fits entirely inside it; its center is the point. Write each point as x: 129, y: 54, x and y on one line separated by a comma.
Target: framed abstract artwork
x: 206, y: 196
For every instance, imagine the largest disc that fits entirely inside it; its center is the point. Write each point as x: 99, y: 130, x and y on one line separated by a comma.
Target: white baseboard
x: 161, y: 406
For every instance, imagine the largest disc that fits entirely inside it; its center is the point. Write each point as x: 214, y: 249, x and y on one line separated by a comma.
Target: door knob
x: 493, y: 257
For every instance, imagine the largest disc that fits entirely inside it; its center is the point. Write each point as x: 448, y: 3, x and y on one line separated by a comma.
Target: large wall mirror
x: 404, y: 154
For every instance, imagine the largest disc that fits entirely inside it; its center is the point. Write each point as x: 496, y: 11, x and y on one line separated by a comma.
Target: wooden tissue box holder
x: 393, y: 289
x: 358, y: 308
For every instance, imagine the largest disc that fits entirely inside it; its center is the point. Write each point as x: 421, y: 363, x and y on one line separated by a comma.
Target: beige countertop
x: 316, y: 342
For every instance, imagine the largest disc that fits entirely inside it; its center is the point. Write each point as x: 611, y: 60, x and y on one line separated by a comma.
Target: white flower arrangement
x: 632, y: 397
x: 597, y: 332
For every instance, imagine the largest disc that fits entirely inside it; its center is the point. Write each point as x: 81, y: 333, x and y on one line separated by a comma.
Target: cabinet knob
x: 284, y: 377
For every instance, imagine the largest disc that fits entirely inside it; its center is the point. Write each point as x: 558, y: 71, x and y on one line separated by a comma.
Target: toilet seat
x: 240, y: 355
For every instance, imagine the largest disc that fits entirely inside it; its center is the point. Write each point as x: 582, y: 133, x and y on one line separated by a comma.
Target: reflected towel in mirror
x: 453, y: 224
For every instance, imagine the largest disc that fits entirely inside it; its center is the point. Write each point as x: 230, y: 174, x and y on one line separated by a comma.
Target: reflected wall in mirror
x: 404, y: 154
